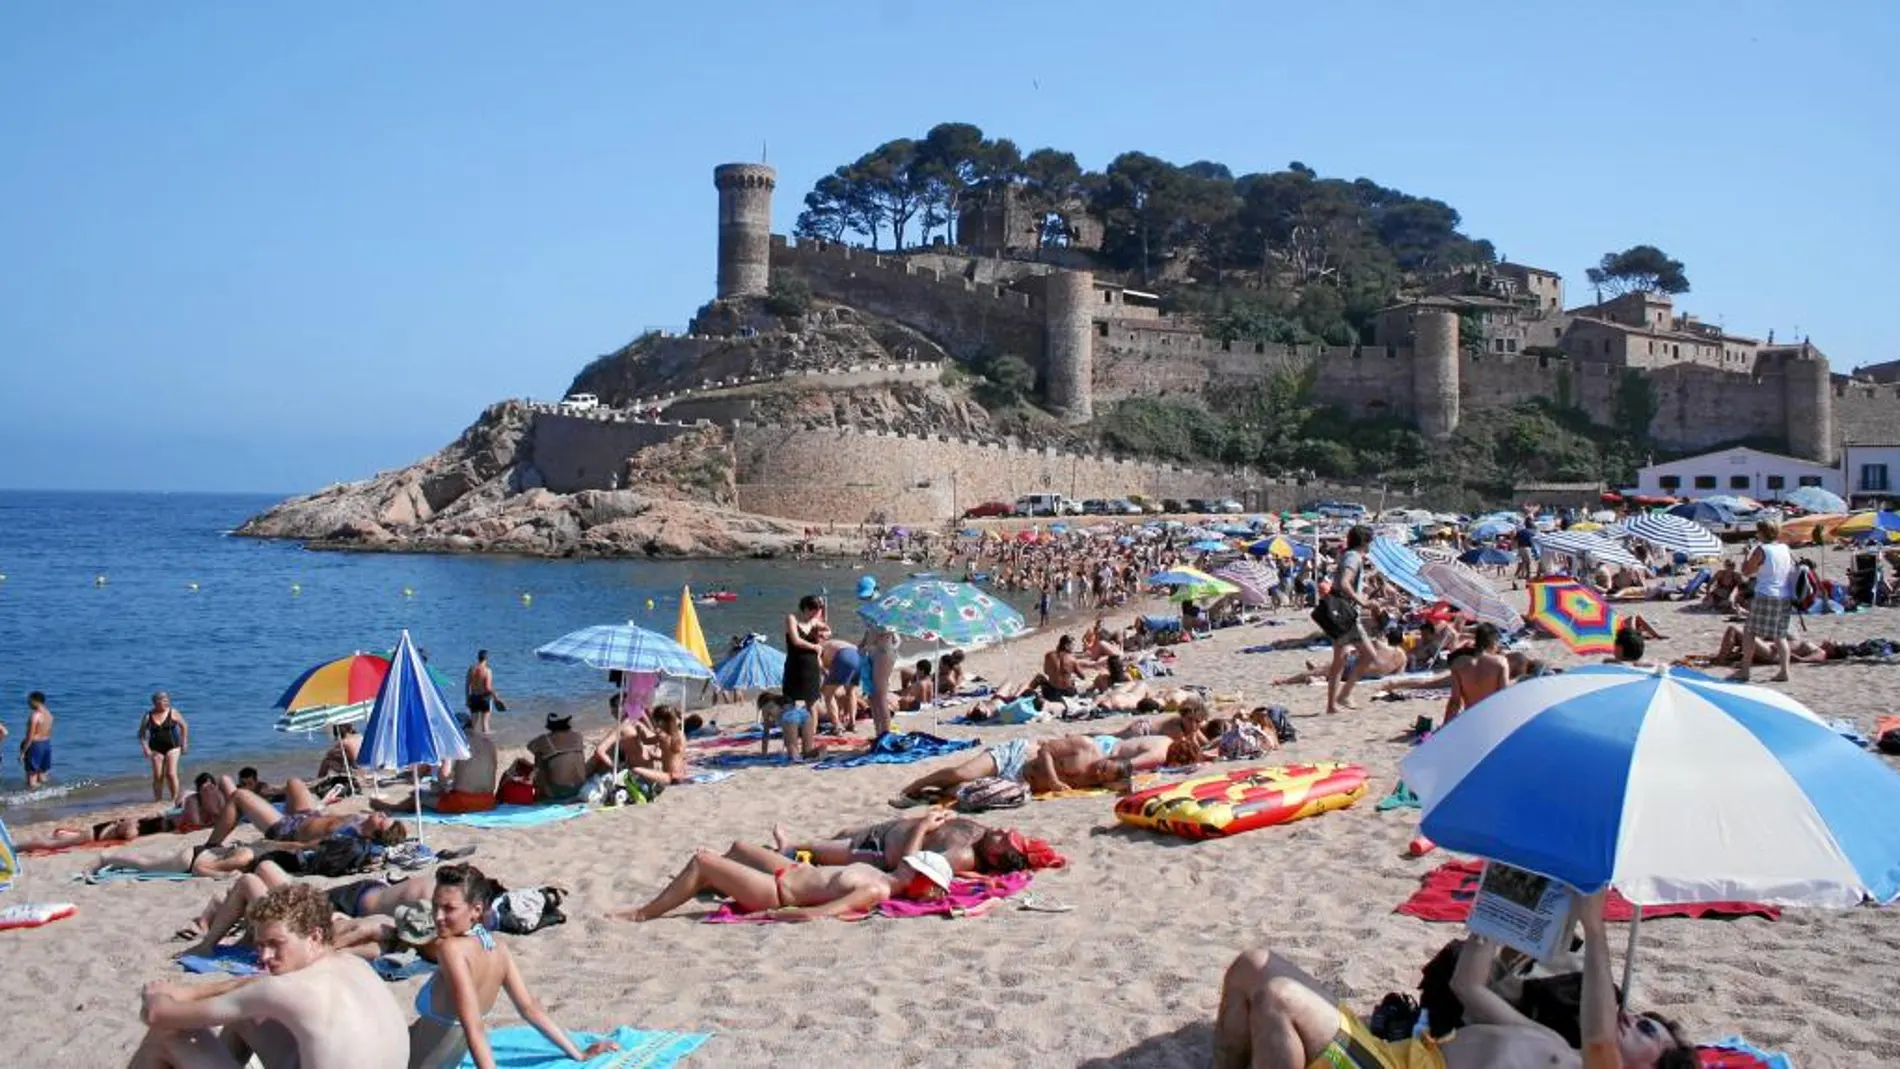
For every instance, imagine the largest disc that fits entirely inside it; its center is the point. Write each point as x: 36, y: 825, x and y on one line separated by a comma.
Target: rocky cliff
x: 483, y: 494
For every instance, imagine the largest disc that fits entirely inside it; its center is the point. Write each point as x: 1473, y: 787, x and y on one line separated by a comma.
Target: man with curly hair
x: 314, y: 1008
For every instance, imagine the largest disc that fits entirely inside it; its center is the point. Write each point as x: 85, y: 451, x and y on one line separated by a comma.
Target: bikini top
x: 426, y: 995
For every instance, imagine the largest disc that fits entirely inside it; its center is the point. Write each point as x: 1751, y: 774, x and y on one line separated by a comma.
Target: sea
x: 106, y: 598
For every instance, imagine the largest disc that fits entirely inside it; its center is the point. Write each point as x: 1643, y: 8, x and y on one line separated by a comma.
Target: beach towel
x: 967, y: 897
x: 1445, y: 894
x: 900, y: 748
x: 521, y: 1047
x: 1850, y: 731
x: 508, y: 816
x: 114, y: 874
x: 1400, y: 798
x: 1734, y: 1052
x: 703, y: 778
x: 229, y: 960
x: 396, y: 969
x: 35, y: 914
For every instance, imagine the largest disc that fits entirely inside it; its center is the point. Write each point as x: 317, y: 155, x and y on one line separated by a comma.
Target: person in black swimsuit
x: 805, y: 634
x: 164, y: 737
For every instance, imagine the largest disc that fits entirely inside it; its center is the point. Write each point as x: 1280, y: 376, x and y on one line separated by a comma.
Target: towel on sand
x: 900, y: 748
x: 1735, y: 1052
x: 521, y: 1047
x: 508, y: 816
x: 114, y: 874
x: 968, y: 897
x: 1446, y: 892
x: 230, y: 960
x: 702, y: 778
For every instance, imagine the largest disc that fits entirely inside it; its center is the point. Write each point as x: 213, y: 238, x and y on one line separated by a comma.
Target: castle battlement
x: 820, y: 254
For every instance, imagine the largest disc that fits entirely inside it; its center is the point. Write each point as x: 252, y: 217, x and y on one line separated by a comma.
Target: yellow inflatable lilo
x: 1228, y: 803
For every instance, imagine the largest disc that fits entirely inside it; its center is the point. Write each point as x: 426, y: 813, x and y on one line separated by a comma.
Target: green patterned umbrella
x: 954, y: 614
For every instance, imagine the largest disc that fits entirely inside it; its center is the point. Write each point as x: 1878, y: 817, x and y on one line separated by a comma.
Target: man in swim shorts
x: 1007, y: 759
x: 314, y: 1008
x: 758, y: 880
x: 305, y: 821
x: 36, y: 749
x: 1273, y: 1015
x: 356, y: 899
x: 969, y: 845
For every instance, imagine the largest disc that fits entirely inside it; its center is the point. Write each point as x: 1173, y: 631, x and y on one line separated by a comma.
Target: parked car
x: 1340, y: 510
x: 1146, y: 504
x: 1046, y: 505
x: 1171, y: 504
x: 987, y: 509
x: 1121, y: 506
x: 1095, y: 506
x: 580, y: 402
x: 1197, y: 504
x: 1229, y: 506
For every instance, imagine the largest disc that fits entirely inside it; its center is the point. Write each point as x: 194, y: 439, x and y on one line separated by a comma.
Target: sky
x: 270, y: 247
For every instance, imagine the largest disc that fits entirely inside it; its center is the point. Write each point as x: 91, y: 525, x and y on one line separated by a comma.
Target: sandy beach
x: 1130, y: 977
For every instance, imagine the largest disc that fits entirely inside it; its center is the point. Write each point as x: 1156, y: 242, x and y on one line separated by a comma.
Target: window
x: 1498, y: 344
x: 1705, y: 482
x: 1675, y: 351
x: 1738, y: 482
x: 1873, y: 477
x: 1670, y: 482
x: 1810, y: 480
x: 1777, y: 482
x: 1101, y: 329
x: 1510, y: 345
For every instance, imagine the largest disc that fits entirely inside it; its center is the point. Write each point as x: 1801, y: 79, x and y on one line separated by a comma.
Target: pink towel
x: 968, y: 897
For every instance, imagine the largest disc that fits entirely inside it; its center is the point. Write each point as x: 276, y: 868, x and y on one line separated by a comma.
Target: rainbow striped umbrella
x: 1575, y: 614
x: 345, y: 681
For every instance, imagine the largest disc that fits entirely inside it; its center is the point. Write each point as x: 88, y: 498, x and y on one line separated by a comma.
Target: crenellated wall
x: 1865, y: 413
x: 586, y: 452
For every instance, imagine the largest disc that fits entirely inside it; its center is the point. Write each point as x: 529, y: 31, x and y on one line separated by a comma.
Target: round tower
x: 1435, y: 373
x: 745, y: 228
x: 1808, y: 405
x: 1069, y: 344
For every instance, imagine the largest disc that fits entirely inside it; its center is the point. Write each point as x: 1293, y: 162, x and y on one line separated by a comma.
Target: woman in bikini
x: 164, y: 738
x: 472, y: 970
x: 357, y: 899
x: 758, y: 880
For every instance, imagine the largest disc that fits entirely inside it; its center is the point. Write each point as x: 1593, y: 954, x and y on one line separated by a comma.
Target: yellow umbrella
x: 1857, y: 523
x: 1811, y: 528
x: 1586, y: 525
x: 687, y: 632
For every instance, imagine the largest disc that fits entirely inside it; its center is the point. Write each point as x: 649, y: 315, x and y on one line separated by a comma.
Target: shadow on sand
x: 1188, y: 1045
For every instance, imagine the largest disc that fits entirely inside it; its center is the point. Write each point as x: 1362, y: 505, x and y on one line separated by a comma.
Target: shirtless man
x: 207, y: 861
x: 479, y: 686
x: 315, y: 1008
x: 1386, y: 660
x: 472, y: 780
x: 968, y: 845
x: 758, y: 880
x: 341, y: 756
x: 1273, y: 1015
x: 356, y: 899
x: 1061, y: 671
x: 1044, y: 765
x: 36, y: 749
x: 1477, y: 671
x: 560, y: 760
x: 305, y: 821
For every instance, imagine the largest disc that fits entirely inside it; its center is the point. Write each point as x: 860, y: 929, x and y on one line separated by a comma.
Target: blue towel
x: 521, y: 1047
x: 230, y: 960
x: 508, y: 816
x: 901, y: 748
x: 117, y: 875
x: 1737, y: 1043
x: 395, y: 969
x: 744, y: 760
x: 707, y: 777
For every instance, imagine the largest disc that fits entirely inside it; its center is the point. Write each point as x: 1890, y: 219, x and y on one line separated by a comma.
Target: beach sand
x: 1129, y: 978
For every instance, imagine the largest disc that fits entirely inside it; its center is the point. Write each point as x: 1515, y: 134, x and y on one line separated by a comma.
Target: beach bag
x: 1335, y: 616
x: 991, y: 792
x: 342, y: 855
x: 529, y: 909
x: 1282, y: 724
x: 1242, y: 741
x: 1806, y: 588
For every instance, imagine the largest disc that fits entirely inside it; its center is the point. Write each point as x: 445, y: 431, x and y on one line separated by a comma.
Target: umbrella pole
x: 415, y: 780
x: 1629, y: 956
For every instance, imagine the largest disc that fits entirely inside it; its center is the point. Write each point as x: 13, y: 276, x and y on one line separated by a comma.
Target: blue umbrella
x: 1667, y: 785
x: 1486, y: 555
x: 1492, y: 527
x: 754, y: 666
x: 1816, y: 499
x: 954, y: 614
x: 1703, y: 512
x: 1208, y: 545
x: 410, y: 724
x: 1402, y: 567
x: 625, y: 647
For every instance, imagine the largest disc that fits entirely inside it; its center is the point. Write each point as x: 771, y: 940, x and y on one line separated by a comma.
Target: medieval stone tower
x: 1808, y: 405
x: 745, y: 228
x: 1435, y: 373
x: 1069, y: 344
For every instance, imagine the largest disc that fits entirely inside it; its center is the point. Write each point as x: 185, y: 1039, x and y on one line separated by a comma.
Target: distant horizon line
x: 145, y: 493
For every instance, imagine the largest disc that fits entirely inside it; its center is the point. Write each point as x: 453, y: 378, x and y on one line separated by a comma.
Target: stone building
x: 1006, y: 222
x: 1642, y: 329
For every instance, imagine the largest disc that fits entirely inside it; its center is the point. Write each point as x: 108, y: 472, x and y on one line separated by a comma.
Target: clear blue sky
x: 266, y: 247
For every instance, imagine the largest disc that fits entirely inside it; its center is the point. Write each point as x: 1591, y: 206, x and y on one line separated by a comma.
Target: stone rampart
x: 1866, y: 413
x: 575, y: 452
x: 963, y: 317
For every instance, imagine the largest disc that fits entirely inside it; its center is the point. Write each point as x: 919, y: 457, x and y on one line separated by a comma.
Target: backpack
x: 991, y: 792
x: 342, y: 855
x: 1806, y: 588
x: 529, y: 909
x: 1242, y: 741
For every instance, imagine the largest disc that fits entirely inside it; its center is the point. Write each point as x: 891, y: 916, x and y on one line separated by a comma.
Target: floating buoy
x: 408, y: 592
x: 98, y: 580
x: 191, y: 586
x: 296, y: 588
x: 649, y: 604
x: 527, y: 599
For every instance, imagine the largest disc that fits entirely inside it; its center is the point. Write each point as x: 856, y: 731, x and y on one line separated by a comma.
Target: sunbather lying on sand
x: 1734, y: 638
x: 1386, y: 660
x: 969, y: 845
x: 1273, y: 1015
x: 1187, y: 724
x: 359, y: 898
x: 302, y: 820
x: 757, y: 879
x: 1046, y: 766
x: 189, y: 860
x: 120, y: 830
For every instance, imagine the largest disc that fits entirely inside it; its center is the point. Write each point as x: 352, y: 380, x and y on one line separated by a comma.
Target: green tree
x: 787, y: 294
x: 1639, y: 267
x: 1635, y: 405
x: 1138, y: 208
x: 1052, y: 180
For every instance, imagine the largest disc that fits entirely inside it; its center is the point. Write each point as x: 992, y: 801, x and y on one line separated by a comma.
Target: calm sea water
x: 109, y: 597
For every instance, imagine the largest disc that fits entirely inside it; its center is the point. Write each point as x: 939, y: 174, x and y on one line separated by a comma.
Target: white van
x: 1046, y: 505
x: 580, y: 402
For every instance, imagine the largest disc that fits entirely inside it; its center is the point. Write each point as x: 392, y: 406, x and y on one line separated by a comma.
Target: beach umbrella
x: 1583, y: 544
x: 1471, y: 593
x: 1806, y: 529
x: 1486, y: 556
x: 1733, y: 502
x: 954, y: 614
x: 1675, y: 534
x: 626, y: 647
x: 1180, y: 575
x: 9, y: 859
x: 1282, y: 547
x: 1402, y: 566
x: 1704, y: 512
x: 1863, y: 522
x: 1209, y: 545
x: 753, y: 666
x: 1255, y: 580
x: 1493, y: 526
x: 1665, y: 784
x: 345, y: 681
x: 410, y: 724
x: 1816, y: 499
x: 686, y: 630
x: 1575, y: 614
x: 1586, y: 526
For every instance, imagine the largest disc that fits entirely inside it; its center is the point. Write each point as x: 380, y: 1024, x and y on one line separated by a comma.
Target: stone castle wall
x: 585, y: 452
x: 1866, y: 413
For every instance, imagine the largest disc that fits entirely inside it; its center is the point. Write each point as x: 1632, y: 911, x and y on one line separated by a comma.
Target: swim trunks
x: 461, y: 802
x: 285, y: 830
x: 347, y: 898
x: 481, y: 703
x: 38, y: 758
x: 1010, y: 757
x: 794, y: 717
x: 1106, y: 744
x: 1353, y: 1047
x: 844, y: 667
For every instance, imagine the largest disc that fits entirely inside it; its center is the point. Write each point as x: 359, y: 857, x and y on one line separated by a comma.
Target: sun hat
x: 931, y: 866
x: 560, y: 721
x: 867, y: 587
x: 415, y: 923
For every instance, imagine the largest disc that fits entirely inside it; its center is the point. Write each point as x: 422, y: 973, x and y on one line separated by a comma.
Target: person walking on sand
x: 480, y: 687
x: 1347, y: 577
x: 1772, y: 565
x: 164, y: 737
x: 36, y: 750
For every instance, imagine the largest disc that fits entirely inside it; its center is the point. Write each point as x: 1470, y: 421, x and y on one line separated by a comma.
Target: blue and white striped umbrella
x: 1488, y: 527
x: 1675, y: 534
x: 626, y: 647
x: 1665, y: 784
x: 1816, y: 499
x: 1585, y: 543
x: 954, y: 614
x: 753, y: 666
x: 1403, y: 567
x: 410, y: 724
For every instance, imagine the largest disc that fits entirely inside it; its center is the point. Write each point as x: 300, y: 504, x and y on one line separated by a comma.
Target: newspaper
x: 1522, y: 910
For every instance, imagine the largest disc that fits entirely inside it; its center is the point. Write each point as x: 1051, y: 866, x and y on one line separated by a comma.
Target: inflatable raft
x: 1228, y: 803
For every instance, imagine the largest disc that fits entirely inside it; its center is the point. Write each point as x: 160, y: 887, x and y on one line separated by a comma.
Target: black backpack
x: 342, y: 855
